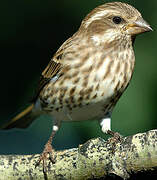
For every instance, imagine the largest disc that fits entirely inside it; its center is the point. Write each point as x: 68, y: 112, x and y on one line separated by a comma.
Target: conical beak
x: 139, y: 26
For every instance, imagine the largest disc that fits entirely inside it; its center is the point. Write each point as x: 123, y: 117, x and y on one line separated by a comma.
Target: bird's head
x: 113, y: 20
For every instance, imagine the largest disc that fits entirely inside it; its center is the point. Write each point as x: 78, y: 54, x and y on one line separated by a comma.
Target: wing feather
x: 49, y: 72
x: 54, y: 67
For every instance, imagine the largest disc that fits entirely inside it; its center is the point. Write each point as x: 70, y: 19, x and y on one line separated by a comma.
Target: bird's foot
x: 116, y: 137
x: 47, y: 154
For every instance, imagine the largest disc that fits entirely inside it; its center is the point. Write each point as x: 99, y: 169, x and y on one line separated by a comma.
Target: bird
x: 89, y: 72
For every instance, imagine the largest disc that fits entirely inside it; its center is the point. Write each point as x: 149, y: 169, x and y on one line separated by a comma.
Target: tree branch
x: 94, y: 159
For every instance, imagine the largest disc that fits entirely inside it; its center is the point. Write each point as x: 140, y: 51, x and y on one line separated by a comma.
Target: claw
x: 116, y: 138
x: 46, y: 155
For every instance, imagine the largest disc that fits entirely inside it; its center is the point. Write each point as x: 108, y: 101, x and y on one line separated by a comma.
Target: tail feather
x: 23, y: 119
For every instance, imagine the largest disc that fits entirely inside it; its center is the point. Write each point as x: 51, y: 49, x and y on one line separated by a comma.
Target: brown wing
x: 54, y: 66
x: 52, y: 69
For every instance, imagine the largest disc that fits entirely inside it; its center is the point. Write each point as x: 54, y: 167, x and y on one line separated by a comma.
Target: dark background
x: 30, y: 33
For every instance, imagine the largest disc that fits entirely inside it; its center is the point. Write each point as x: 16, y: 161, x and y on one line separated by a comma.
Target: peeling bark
x: 94, y: 159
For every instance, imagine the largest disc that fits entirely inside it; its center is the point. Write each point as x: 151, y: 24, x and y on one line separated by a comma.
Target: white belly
x: 87, y: 112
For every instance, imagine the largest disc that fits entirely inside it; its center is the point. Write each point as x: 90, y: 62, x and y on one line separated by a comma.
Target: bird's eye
x: 117, y: 19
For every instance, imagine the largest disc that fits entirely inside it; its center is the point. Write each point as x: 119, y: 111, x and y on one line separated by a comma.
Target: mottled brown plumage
x: 90, y: 71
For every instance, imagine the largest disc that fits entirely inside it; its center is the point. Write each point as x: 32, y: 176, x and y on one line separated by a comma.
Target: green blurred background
x: 30, y: 33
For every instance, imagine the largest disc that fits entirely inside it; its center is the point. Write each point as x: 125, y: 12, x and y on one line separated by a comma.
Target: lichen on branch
x: 94, y: 159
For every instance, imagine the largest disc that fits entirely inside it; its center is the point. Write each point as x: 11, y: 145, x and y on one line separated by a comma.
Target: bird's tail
x: 23, y: 119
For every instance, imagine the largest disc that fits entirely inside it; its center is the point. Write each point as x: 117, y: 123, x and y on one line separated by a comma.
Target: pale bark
x: 96, y: 158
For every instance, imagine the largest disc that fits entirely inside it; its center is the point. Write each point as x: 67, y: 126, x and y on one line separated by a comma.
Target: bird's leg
x: 48, y: 151
x: 106, y: 128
